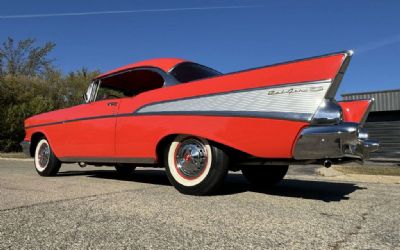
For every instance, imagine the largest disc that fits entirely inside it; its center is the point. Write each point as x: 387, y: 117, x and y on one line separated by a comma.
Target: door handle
x: 112, y: 104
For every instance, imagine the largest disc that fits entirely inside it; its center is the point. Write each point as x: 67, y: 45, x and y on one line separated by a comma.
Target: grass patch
x: 19, y: 155
x: 369, y: 170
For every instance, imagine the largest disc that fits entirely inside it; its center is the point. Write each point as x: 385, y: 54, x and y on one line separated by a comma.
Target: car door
x: 90, y: 130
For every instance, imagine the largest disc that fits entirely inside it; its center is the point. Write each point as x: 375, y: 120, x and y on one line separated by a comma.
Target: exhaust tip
x: 82, y: 164
x: 327, y: 163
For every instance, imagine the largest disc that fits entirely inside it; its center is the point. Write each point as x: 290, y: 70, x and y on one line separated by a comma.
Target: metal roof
x: 385, y: 100
x: 163, y: 63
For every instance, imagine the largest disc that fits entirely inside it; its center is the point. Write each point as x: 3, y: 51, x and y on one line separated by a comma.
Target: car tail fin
x: 357, y: 110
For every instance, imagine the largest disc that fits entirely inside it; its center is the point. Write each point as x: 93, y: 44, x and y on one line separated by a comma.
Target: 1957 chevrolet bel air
x: 199, y: 123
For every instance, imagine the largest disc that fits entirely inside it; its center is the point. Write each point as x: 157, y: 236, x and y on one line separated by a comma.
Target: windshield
x: 188, y: 71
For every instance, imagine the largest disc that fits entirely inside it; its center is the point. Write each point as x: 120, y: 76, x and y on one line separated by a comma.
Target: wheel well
x: 34, y: 142
x: 232, y: 153
x: 161, y: 147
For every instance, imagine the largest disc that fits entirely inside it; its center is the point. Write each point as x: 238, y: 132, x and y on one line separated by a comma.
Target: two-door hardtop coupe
x: 199, y: 123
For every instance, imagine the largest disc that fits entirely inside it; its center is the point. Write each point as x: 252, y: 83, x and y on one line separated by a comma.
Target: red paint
x: 138, y: 136
x: 354, y: 111
x: 163, y: 63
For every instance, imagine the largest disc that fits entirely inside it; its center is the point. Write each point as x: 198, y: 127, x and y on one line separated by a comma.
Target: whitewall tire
x: 46, y: 163
x: 194, y: 166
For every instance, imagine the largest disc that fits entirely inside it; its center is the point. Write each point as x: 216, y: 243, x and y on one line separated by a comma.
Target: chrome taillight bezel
x: 329, y: 112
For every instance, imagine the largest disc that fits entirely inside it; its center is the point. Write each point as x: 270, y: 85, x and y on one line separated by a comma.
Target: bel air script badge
x: 295, y: 90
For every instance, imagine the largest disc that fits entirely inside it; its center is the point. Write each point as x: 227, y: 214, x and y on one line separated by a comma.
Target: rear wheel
x: 194, y: 166
x: 46, y: 163
x: 264, y: 175
x: 125, y: 169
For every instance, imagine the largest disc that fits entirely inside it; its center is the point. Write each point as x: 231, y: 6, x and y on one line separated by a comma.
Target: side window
x: 188, y: 71
x: 105, y: 93
x: 128, y: 84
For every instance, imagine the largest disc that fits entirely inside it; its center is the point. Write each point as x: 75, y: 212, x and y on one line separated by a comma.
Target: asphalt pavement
x: 94, y: 208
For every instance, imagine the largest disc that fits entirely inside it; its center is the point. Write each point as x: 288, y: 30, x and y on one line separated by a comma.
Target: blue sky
x: 227, y: 39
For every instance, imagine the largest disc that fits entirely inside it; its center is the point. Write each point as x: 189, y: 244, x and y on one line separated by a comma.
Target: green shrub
x: 30, y: 85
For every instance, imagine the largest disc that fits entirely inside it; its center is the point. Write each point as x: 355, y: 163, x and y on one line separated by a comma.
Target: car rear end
x: 336, y: 132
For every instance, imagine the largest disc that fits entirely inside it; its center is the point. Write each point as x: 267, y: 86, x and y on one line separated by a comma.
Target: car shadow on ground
x: 326, y: 191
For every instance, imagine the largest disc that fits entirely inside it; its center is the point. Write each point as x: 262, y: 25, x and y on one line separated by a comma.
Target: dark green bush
x: 30, y: 85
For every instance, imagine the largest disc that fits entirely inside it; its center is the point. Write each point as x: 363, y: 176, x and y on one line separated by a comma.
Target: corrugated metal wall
x: 384, y: 100
x: 388, y: 135
x: 385, y: 125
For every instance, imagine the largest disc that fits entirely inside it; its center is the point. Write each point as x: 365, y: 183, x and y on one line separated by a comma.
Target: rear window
x: 188, y: 71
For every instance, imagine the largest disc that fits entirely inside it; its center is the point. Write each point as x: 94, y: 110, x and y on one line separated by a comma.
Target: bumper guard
x: 345, y: 140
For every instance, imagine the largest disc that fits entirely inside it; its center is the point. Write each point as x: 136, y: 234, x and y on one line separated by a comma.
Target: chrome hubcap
x: 191, y: 158
x: 44, y: 155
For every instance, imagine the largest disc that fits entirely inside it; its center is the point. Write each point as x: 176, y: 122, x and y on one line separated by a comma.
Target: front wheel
x: 194, y: 166
x: 264, y: 175
x: 46, y: 162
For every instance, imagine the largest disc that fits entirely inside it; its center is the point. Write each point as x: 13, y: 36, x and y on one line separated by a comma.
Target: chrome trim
x: 43, y: 155
x: 108, y: 160
x: 363, y: 134
x: 274, y: 101
x: 97, y: 85
x: 191, y: 158
x: 168, y: 79
x: 364, y: 118
x: 339, y: 76
x: 333, y: 142
x: 26, y: 148
x: 329, y: 112
x: 289, y: 116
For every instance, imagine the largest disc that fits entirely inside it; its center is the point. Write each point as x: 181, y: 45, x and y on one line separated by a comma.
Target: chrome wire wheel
x: 191, y: 158
x: 42, y: 155
x: 45, y: 161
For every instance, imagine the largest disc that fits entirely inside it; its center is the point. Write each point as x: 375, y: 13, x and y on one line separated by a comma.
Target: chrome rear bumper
x: 345, y: 140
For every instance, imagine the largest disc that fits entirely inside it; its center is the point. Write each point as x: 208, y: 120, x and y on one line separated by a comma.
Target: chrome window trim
x: 340, y: 74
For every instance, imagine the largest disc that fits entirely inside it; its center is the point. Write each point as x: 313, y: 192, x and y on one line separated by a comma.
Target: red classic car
x: 199, y: 123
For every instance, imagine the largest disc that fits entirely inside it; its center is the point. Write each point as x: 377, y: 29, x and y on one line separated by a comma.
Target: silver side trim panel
x: 278, y: 101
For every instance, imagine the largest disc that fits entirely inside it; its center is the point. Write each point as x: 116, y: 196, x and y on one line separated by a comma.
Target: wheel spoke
x: 44, y: 155
x: 191, y: 158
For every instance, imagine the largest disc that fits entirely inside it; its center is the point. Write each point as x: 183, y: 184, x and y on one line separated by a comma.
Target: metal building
x: 383, y: 122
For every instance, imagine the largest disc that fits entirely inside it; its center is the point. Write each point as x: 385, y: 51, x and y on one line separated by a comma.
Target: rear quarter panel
x: 269, y: 138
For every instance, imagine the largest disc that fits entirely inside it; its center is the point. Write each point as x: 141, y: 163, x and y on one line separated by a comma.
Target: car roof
x: 165, y: 64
